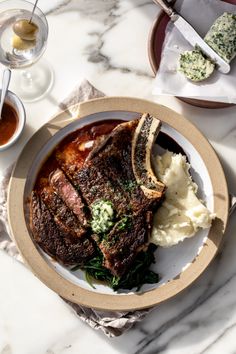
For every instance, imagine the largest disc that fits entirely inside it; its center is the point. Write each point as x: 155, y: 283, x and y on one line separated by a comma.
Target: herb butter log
x: 222, y: 36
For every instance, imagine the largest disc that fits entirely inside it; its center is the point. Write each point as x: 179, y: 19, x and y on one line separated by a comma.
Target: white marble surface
x: 106, y: 42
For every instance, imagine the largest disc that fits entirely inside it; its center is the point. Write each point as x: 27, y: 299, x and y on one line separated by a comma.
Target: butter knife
x: 189, y: 33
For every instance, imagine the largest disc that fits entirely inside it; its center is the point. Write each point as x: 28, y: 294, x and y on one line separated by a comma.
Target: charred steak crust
x: 53, y: 239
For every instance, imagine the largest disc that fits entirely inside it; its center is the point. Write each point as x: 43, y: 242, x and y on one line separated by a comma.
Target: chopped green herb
x: 124, y: 223
x: 129, y: 185
x: 93, y: 190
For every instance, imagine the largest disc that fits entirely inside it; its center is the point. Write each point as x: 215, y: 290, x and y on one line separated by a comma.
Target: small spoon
x: 5, y: 83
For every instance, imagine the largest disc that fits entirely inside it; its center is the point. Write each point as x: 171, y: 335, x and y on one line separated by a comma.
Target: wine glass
x: 31, y: 82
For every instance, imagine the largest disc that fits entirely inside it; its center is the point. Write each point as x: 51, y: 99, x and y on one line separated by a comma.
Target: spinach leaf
x: 138, y: 274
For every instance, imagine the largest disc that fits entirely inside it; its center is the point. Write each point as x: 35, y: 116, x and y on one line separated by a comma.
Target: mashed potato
x: 182, y: 214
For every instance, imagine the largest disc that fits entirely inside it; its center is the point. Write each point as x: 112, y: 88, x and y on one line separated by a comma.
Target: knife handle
x: 165, y: 6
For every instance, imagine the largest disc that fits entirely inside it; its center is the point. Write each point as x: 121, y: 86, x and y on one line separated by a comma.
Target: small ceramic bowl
x: 17, y: 104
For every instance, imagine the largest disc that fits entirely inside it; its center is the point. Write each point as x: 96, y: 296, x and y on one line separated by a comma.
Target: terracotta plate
x: 178, y: 266
x: 155, y: 44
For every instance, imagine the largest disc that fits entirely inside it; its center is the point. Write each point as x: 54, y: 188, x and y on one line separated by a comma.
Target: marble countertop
x: 105, y: 41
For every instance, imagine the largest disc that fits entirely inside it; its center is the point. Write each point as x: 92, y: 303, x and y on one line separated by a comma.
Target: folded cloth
x: 201, y: 15
x: 111, y: 323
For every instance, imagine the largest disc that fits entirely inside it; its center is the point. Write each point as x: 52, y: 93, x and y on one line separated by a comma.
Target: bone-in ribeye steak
x: 117, y: 170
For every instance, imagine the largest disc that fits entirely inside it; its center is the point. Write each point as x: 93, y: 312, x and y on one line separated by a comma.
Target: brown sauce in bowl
x: 8, y: 123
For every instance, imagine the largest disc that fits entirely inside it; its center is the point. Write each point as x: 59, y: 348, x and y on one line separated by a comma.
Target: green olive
x: 21, y: 44
x: 25, y: 30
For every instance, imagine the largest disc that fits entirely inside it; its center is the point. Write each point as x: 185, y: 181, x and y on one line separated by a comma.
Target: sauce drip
x: 8, y: 123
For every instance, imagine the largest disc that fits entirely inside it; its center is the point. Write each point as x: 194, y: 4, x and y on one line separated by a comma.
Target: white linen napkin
x: 219, y: 87
x: 111, y: 323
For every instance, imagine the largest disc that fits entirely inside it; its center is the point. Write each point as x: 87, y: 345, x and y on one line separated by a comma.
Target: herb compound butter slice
x: 195, y: 66
x: 222, y: 36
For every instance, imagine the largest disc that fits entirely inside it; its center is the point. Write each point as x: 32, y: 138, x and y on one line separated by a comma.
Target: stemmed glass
x: 29, y: 82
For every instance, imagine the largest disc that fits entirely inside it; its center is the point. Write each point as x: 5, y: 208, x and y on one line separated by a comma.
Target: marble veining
x: 106, y: 42
x: 113, y: 19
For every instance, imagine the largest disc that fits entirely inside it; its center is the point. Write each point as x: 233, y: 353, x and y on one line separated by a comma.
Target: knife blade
x: 191, y: 35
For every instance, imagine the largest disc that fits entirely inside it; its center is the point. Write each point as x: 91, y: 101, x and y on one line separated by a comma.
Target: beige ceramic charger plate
x: 75, y: 293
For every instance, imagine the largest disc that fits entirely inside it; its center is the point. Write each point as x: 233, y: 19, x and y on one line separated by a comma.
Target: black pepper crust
x: 54, y: 238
